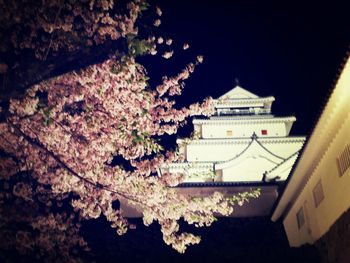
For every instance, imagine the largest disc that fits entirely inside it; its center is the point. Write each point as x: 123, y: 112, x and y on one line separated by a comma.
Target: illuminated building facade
x: 241, y: 142
x: 242, y: 146
x: 317, y: 196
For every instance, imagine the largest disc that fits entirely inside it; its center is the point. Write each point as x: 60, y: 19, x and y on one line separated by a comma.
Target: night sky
x: 291, y: 51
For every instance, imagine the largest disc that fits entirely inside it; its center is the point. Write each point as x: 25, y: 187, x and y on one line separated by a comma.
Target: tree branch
x: 48, y: 48
x: 38, y: 144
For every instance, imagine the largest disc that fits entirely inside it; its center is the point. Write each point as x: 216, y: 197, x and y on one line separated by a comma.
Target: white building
x: 241, y: 142
x: 242, y: 146
x: 318, y: 191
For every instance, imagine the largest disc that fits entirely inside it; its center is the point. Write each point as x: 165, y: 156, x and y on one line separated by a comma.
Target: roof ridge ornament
x: 254, y: 136
x: 238, y: 93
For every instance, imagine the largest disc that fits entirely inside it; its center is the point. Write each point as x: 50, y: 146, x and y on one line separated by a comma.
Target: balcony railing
x: 242, y: 112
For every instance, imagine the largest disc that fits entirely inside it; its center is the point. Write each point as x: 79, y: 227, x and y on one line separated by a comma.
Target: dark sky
x: 291, y: 51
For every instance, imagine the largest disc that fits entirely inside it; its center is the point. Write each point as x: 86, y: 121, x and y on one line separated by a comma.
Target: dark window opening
x: 300, y: 218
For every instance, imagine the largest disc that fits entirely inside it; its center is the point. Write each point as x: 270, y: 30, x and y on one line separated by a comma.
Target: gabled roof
x: 254, y: 148
x: 281, y: 171
x: 238, y: 93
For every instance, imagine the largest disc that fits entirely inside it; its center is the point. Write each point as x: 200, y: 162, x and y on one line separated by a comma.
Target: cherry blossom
x: 157, y: 22
x: 186, y: 46
x: 200, y: 59
x: 65, y: 133
x: 169, y: 41
x: 168, y: 54
x: 158, y: 11
x: 51, y: 27
x: 91, y: 116
x: 160, y: 40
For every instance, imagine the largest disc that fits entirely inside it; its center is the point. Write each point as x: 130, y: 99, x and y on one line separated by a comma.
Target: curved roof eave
x: 223, y: 164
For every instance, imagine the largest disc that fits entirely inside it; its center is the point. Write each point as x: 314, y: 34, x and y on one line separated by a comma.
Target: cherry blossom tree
x: 79, y: 32
x: 54, y: 25
x: 59, y: 143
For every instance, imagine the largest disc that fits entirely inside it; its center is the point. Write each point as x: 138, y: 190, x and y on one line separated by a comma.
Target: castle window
x: 343, y: 160
x: 229, y: 133
x: 300, y: 218
x: 318, y: 193
x: 263, y: 132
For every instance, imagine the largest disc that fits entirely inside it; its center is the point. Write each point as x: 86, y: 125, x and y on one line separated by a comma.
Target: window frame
x: 318, y: 193
x: 343, y: 161
x: 300, y: 216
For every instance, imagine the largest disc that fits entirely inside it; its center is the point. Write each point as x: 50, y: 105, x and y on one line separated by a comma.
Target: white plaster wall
x: 284, y: 149
x: 211, y: 152
x: 249, y: 169
x: 336, y: 191
x: 243, y: 130
x: 305, y: 233
x: 283, y: 170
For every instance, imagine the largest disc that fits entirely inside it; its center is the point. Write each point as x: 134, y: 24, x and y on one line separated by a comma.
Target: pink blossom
x: 168, y: 54
x: 200, y: 59
x: 160, y: 40
x: 169, y: 41
x: 158, y: 11
x: 157, y: 23
x: 91, y: 115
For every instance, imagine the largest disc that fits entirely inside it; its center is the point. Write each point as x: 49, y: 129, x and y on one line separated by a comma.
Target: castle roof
x: 238, y: 93
x: 283, y: 168
x: 239, y: 97
x: 254, y: 149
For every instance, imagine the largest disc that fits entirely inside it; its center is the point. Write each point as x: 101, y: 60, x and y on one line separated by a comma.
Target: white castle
x: 241, y: 142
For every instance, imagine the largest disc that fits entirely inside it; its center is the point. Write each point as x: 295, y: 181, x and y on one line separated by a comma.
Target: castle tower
x: 242, y: 146
x: 241, y: 142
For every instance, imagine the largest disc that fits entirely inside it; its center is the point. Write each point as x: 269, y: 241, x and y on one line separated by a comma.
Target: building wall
x: 210, y: 151
x: 285, y: 148
x: 336, y: 191
x: 243, y: 130
x: 334, y: 246
x: 248, y: 169
x: 213, y: 152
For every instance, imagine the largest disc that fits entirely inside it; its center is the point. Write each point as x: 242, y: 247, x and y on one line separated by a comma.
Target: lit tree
x: 59, y: 141
x: 78, y: 32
